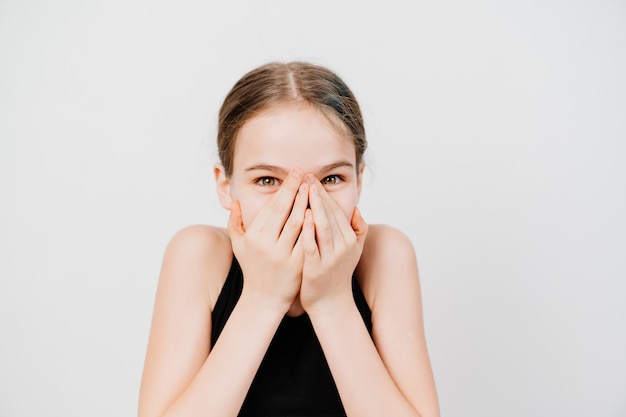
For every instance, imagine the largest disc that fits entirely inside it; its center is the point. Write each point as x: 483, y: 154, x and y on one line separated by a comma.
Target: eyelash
x: 336, y: 179
x: 261, y: 181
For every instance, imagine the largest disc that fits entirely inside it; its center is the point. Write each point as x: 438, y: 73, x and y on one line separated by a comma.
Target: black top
x: 293, y: 379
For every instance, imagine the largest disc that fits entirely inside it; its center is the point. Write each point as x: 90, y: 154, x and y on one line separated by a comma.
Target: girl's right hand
x: 269, y: 251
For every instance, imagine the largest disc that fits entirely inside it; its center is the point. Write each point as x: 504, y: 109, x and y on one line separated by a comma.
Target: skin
x: 309, y: 145
x: 298, y: 237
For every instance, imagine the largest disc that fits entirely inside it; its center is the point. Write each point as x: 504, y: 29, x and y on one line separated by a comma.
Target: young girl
x: 299, y: 308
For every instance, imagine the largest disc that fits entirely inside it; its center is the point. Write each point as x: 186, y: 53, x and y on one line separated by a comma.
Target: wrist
x: 263, y: 304
x: 332, y: 308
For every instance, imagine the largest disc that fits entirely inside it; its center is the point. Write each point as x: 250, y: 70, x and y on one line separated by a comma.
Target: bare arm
x: 183, y: 376
x: 180, y: 376
x: 391, y: 374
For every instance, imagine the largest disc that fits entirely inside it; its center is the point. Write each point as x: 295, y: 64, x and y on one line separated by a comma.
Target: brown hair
x: 281, y: 83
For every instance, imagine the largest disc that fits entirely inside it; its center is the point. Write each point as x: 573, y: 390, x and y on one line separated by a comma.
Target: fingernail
x: 310, y: 179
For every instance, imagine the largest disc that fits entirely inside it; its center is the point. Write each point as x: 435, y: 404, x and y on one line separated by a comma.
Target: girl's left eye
x: 267, y: 181
x: 331, y: 179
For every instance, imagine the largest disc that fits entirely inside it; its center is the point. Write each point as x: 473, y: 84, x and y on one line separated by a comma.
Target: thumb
x: 236, y: 228
x: 359, y: 226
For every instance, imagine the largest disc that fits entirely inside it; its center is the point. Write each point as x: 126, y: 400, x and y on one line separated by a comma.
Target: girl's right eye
x: 267, y: 181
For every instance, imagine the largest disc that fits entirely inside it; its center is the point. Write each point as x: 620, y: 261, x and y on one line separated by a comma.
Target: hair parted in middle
x: 278, y: 83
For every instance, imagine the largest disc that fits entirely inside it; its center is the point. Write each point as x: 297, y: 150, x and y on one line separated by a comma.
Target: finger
x: 273, y: 214
x: 236, y: 228
x: 323, y: 226
x: 359, y: 226
x: 293, y: 225
x: 335, y: 213
x: 307, y: 238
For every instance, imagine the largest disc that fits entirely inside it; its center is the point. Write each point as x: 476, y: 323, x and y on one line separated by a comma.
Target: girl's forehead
x: 293, y: 136
x: 301, y: 114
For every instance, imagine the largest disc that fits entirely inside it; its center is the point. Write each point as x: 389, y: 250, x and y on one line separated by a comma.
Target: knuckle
x: 293, y: 224
x: 325, y: 240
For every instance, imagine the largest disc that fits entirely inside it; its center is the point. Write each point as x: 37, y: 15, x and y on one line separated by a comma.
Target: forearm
x: 222, y: 383
x: 365, y: 386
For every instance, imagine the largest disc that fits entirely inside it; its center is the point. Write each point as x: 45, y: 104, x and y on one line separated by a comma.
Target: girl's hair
x: 284, y: 83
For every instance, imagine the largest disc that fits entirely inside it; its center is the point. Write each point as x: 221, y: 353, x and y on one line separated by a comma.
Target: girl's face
x: 284, y: 138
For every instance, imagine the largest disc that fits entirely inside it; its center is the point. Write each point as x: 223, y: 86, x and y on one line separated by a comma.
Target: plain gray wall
x: 498, y: 144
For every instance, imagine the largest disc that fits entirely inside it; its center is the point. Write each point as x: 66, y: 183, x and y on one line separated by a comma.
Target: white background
x: 497, y: 143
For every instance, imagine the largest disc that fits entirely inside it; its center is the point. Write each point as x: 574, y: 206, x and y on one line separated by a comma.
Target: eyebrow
x: 266, y: 167
x: 283, y: 171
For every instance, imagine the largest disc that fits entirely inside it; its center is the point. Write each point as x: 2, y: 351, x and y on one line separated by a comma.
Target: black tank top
x: 293, y: 379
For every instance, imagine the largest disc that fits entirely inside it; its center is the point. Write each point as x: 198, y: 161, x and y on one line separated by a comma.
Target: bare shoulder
x: 385, y: 246
x: 198, y: 256
x: 384, y: 240
x: 388, y: 262
x: 196, y: 239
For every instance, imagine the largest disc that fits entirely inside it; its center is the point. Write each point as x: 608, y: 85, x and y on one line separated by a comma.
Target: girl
x: 299, y: 308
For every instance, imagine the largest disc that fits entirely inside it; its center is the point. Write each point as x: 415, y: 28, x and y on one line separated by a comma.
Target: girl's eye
x: 267, y: 181
x: 331, y: 180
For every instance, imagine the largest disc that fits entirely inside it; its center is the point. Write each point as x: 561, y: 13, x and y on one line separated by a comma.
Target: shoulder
x: 386, y: 247
x: 196, y: 239
x: 388, y: 262
x: 384, y: 241
x: 198, y: 258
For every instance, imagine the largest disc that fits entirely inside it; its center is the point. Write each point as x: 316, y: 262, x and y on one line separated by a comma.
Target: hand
x: 269, y: 252
x: 332, y: 248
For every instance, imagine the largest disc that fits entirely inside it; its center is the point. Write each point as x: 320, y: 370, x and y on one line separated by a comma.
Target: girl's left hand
x: 332, y: 248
